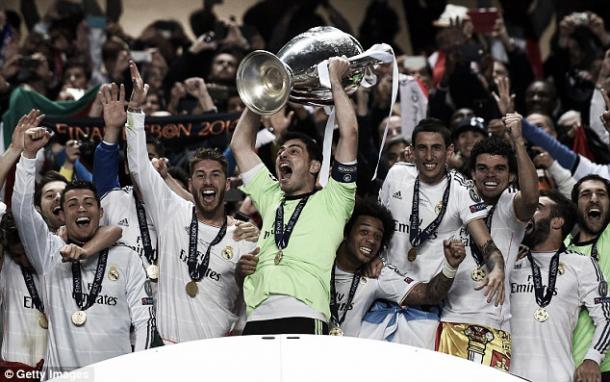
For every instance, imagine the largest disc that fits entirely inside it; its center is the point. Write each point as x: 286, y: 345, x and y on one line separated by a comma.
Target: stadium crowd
x: 483, y: 233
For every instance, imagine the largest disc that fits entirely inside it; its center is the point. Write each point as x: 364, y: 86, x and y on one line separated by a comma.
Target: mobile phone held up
x: 142, y: 56
x: 483, y: 19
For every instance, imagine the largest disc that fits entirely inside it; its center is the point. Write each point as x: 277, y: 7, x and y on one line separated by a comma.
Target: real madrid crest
x: 113, y: 273
x: 561, y: 268
x: 227, y: 252
x: 474, y: 196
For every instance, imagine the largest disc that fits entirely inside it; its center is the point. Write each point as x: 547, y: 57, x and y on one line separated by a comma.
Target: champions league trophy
x: 299, y: 71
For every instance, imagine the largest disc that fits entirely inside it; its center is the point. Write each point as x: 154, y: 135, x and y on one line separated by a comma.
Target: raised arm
x: 158, y: 197
x: 11, y: 154
x: 526, y: 201
x: 39, y: 242
x: 244, y: 139
x: 494, y: 280
x: 347, y: 146
x: 106, y: 157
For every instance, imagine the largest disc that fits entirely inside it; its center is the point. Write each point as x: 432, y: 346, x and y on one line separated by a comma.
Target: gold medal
x: 412, y: 255
x: 541, y: 315
x: 278, y: 257
x: 113, y: 273
x: 335, y: 331
x: 478, y: 274
x: 192, y: 289
x: 152, y: 271
x: 227, y: 253
x: 79, y: 318
x: 42, y: 320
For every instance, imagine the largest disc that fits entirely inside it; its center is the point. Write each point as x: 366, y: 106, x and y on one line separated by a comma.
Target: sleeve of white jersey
x: 39, y: 242
x: 586, y: 167
x: 393, y: 285
x: 140, y: 302
x: 469, y: 203
x: 593, y: 291
x: 158, y: 197
x: 384, y: 192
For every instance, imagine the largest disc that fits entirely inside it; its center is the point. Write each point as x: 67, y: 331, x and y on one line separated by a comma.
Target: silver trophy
x: 265, y: 82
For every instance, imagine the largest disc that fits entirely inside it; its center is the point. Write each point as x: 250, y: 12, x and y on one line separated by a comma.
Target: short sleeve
x: 470, y: 205
x: 394, y: 285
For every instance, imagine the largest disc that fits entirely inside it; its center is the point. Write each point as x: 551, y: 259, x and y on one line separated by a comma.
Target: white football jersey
x: 123, y: 301
x: 464, y: 205
x: 464, y: 304
x: 23, y: 339
x: 390, y: 285
x: 120, y: 210
x: 542, y: 351
x: 214, y: 311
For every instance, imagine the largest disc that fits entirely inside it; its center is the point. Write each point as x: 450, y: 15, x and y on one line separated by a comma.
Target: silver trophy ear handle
x: 263, y: 82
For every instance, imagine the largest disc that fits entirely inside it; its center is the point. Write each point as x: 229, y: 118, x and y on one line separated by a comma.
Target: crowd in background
x: 471, y: 78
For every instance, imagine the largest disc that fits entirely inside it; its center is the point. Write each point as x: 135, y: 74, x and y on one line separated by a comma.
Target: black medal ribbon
x: 281, y: 235
x: 149, y: 252
x: 543, y: 299
x: 29, y: 283
x: 334, y: 306
x: 416, y: 236
x: 96, y: 287
x: 198, y: 271
x: 474, y: 248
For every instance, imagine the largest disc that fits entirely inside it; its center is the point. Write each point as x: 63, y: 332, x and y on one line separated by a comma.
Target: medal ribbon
x: 282, y: 236
x: 416, y: 236
x: 544, y: 300
x: 149, y: 252
x: 96, y: 287
x: 334, y: 306
x: 474, y: 248
x: 29, y: 283
x: 197, y: 271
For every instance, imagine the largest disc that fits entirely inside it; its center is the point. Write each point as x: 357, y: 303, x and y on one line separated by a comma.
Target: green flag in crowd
x: 23, y: 100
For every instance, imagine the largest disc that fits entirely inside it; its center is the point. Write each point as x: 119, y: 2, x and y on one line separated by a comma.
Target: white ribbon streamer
x: 381, y: 52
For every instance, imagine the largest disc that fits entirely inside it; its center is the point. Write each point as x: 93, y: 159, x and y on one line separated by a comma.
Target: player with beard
x: 591, y: 196
x: 494, y: 166
x: 198, y: 295
x: 367, y: 232
x: 431, y: 204
x: 549, y: 287
x: 303, y: 227
x: 125, y: 206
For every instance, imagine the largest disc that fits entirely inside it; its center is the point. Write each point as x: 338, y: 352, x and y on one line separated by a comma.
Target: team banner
x: 171, y: 130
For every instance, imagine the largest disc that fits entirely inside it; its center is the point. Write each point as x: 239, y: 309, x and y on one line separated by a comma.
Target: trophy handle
x: 264, y: 82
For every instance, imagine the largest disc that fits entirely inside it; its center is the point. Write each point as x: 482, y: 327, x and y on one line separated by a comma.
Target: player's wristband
x: 448, y: 271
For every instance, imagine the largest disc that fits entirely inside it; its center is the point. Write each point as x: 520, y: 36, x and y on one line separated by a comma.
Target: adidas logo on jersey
x: 397, y: 195
x: 123, y: 223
